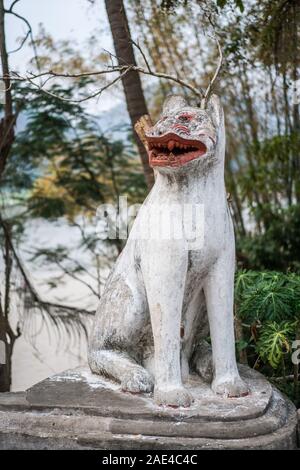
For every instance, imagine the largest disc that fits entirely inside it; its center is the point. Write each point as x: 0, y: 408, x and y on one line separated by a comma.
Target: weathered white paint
x: 157, y: 287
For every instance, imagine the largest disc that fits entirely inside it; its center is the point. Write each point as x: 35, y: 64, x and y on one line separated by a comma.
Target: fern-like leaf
x: 275, y: 341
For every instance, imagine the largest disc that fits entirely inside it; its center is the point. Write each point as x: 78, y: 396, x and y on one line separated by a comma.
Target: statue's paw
x: 230, y: 387
x: 174, y: 397
x: 137, y: 380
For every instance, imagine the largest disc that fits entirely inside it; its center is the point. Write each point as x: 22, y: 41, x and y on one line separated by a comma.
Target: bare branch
x: 121, y: 62
x: 212, y: 82
x: 197, y: 92
x: 136, y: 44
x: 52, y: 74
x: 12, y: 5
x: 81, y: 100
x: 10, y: 11
x: 29, y: 32
x: 76, y: 278
x: 123, y: 69
x: 22, y: 43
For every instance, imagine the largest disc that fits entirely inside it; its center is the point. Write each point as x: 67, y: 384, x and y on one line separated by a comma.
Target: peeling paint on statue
x: 163, y: 293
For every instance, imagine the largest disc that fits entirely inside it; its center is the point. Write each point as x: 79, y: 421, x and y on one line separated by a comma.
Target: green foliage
x: 274, y: 33
x: 272, y: 177
x: 171, y: 4
x: 264, y: 296
x: 63, y: 165
x: 268, y: 305
x: 277, y: 247
x: 275, y: 342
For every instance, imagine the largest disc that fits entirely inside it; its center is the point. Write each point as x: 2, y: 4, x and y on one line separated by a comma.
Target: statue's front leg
x: 164, y: 269
x: 218, y: 289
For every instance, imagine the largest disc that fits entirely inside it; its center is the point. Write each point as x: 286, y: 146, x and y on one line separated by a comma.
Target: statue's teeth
x: 171, y: 145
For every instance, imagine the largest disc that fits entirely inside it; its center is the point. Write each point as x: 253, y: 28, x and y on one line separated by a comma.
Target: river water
x: 37, y: 356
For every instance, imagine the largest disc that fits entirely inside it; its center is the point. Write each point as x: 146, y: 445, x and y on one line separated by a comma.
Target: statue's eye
x: 185, y: 117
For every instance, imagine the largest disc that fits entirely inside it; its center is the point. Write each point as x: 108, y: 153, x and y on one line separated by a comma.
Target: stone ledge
x: 78, y: 410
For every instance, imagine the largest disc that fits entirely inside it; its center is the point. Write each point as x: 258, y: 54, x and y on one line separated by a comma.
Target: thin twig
x: 81, y: 100
x: 21, y: 44
x: 212, y: 81
x: 29, y: 33
x: 136, y: 44
x: 12, y: 5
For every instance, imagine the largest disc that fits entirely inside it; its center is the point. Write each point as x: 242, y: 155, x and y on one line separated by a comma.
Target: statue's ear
x: 172, y: 103
x: 215, y: 110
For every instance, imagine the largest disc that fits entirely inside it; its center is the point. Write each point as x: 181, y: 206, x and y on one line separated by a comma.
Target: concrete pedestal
x: 79, y: 410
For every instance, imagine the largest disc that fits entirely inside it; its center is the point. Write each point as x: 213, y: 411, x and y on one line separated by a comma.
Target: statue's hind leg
x: 115, y: 348
x: 118, y: 365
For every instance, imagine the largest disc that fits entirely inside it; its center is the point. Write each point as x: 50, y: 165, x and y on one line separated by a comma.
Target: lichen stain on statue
x: 164, y: 296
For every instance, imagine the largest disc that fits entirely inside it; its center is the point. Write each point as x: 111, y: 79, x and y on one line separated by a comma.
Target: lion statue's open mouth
x: 173, y: 150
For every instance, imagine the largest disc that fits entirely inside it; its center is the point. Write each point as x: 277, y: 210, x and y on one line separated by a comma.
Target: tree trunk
x: 135, y: 99
x: 8, y: 121
x: 5, y: 369
x: 296, y: 115
x: 7, y: 340
x: 7, y: 336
